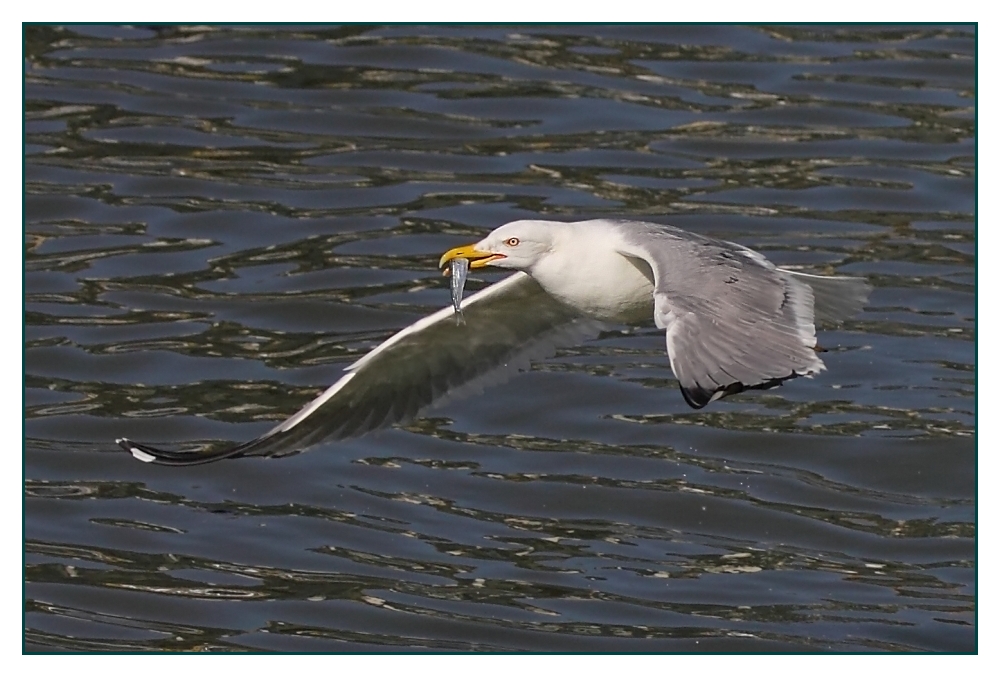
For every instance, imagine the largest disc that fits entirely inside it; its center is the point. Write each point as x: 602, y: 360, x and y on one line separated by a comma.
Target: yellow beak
x: 477, y: 259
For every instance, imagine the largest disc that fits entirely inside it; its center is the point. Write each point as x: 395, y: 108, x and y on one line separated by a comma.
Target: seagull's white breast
x: 584, y: 270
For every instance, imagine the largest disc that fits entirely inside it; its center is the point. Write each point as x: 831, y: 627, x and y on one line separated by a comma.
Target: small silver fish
x: 459, y: 273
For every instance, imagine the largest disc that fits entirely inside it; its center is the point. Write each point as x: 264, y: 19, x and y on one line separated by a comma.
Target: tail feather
x: 835, y: 298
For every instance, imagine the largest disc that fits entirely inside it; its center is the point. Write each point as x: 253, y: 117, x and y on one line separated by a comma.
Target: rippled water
x: 219, y: 219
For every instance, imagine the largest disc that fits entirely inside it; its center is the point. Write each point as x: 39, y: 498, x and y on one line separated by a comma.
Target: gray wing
x: 733, y: 320
x: 505, y: 326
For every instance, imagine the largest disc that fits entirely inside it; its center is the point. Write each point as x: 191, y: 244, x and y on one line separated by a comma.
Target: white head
x: 518, y: 245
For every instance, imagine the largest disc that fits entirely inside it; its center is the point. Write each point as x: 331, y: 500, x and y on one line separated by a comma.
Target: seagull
x: 733, y: 321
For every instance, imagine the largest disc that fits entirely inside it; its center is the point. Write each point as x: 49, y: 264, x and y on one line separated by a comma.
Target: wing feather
x: 505, y: 326
x: 733, y: 320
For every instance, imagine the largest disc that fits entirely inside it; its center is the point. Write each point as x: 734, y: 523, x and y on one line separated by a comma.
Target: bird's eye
x: 512, y: 242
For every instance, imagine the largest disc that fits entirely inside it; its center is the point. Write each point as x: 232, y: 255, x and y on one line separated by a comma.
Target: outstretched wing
x: 733, y: 320
x: 503, y: 327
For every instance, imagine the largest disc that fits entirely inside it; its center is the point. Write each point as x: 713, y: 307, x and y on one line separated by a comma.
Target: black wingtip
x: 148, y: 454
x: 137, y: 450
x: 697, y: 397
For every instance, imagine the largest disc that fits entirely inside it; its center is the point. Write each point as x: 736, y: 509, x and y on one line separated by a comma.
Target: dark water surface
x: 218, y: 220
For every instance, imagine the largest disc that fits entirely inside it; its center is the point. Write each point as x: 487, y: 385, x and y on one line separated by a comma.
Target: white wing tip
x: 135, y: 451
x: 717, y: 395
x: 142, y: 455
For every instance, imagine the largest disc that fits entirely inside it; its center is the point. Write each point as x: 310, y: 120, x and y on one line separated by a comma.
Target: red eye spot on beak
x: 512, y: 242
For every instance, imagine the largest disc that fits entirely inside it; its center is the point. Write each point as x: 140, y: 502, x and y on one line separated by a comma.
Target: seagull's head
x: 518, y: 245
